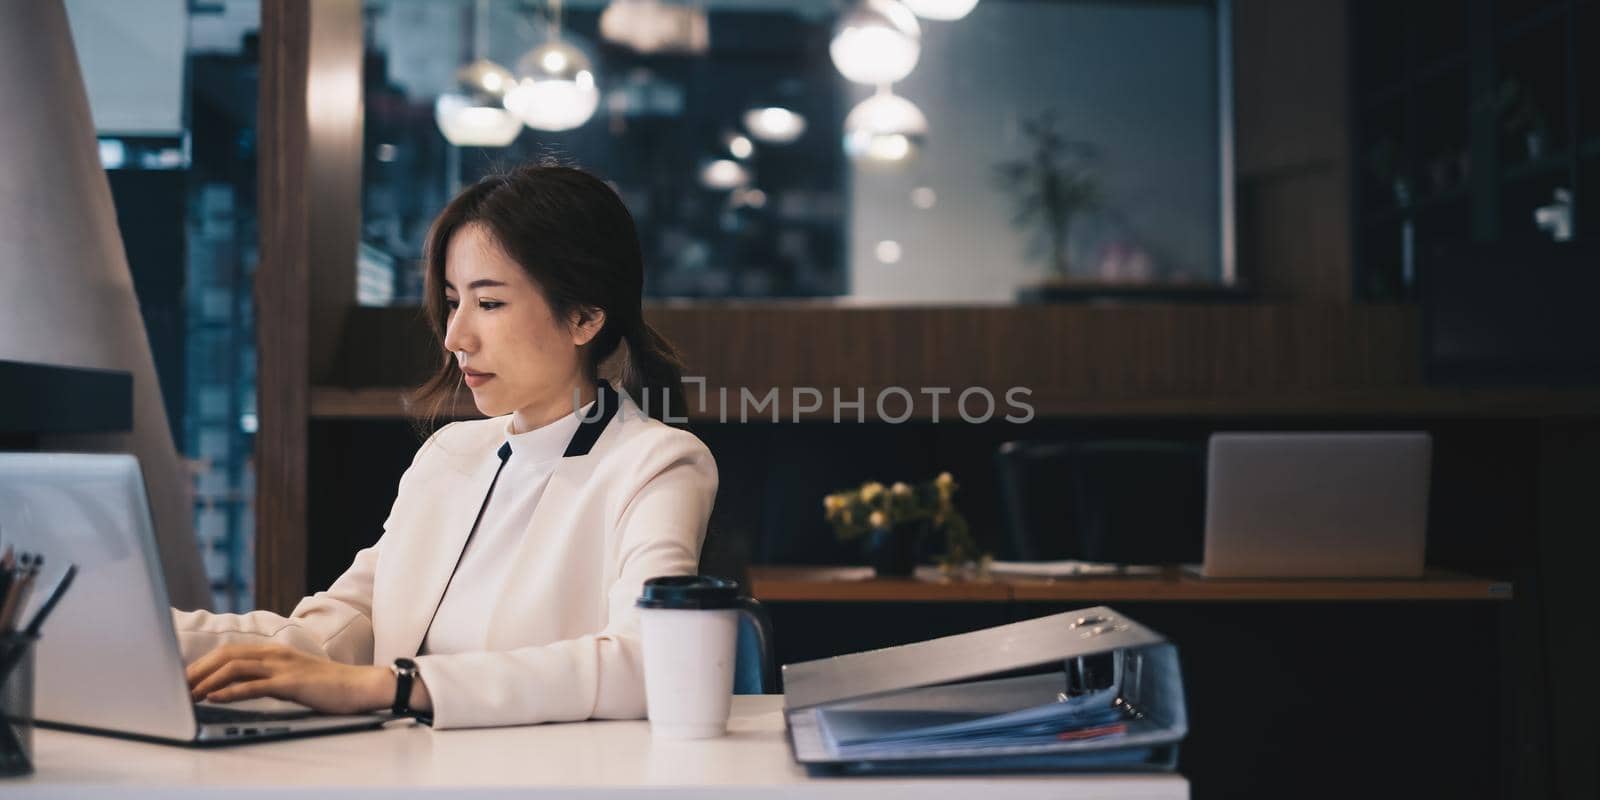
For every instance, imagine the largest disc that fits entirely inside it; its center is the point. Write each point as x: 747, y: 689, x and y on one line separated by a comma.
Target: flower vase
x: 893, y: 551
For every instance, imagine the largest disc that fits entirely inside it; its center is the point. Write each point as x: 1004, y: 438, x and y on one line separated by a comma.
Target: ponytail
x: 652, y: 374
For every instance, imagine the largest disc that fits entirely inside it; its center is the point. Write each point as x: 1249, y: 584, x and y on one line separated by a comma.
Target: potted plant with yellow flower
x: 893, y: 522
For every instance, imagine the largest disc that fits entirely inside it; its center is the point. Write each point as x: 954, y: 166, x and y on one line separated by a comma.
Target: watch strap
x: 405, y: 674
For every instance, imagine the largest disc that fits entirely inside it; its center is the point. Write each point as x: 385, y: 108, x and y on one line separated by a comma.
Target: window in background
x: 720, y: 212
x: 172, y: 88
x: 1069, y: 145
x: 1117, y: 106
x: 223, y: 239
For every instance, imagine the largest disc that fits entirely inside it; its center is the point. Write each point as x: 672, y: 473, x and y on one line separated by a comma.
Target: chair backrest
x: 1140, y: 502
x: 1117, y: 501
x: 755, y: 670
x: 1035, y: 499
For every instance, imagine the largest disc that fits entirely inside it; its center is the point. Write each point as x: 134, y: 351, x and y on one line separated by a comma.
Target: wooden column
x: 310, y: 125
x: 1292, y: 140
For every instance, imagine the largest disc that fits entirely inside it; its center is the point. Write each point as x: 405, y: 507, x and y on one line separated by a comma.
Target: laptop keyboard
x: 215, y: 715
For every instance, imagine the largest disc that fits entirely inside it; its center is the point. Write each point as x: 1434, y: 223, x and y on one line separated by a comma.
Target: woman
x: 517, y: 544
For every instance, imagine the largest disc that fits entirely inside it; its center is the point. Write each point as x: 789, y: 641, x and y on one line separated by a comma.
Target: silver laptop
x: 1324, y: 505
x: 108, y: 658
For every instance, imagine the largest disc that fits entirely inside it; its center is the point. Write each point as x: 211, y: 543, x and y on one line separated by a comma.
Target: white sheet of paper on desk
x: 1068, y: 569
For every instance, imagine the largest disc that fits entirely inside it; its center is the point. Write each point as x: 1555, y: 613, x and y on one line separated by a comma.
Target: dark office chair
x: 1111, y: 501
x: 1035, y: 501
x: 754, y: 670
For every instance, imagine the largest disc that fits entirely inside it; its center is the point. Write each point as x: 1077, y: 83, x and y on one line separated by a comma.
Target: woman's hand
x: 240, y: 672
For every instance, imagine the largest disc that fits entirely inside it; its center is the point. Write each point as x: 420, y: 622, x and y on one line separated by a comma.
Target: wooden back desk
x: 859, y: 585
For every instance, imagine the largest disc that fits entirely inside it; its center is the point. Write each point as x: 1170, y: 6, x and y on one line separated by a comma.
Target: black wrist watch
x: 405, y: 673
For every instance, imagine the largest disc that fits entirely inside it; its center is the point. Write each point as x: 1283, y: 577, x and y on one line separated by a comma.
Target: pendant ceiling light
x: 727, y: 164
x: 774, y: 124
x: 876, y: 42
x: 884, y: 128
x: 940, y: 9
x: 473, y: 115
x: 652, y: 26
x: 721, y: 174
x: 738, y: 145
x: 555, y: 88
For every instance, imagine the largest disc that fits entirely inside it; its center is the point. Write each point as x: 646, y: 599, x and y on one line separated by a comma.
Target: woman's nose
x: 457, y: 334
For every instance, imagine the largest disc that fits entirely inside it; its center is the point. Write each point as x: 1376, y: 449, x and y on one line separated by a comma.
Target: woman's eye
x: 452, y: 303
x: 489, y: 305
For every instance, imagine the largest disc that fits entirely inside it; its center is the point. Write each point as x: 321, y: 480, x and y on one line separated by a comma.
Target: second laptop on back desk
x: 1316, y: 505
x: 1265, y: 505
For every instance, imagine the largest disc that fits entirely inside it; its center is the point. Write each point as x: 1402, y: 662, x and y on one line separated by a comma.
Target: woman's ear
x: 586, y: 322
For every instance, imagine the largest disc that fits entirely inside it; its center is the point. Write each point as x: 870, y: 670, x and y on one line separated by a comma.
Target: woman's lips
x: 476, y: 379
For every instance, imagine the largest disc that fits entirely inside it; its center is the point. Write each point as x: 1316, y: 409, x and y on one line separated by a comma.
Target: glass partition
x: 823, y: 148
x: 173, y: 88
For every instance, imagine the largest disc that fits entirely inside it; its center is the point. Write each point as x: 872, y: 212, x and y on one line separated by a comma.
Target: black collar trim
x: 606, y: 401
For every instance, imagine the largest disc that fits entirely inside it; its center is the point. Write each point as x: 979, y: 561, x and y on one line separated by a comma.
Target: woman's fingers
x: 238, y: 672
x: 209, y: 662
x: 230, y: 673
x: 245, y: 690
x: 214, y: 660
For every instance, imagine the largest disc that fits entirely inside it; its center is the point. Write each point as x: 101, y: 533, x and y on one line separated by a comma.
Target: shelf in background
x: 1508, y: 30
x: 1552, y: 164
x: 1396, y: 89
x: 1157, y: 359
x: 52, y: 399
x: 379, y: 402
x: 859, y: 585
x: 1392, y: 212
x: 386, y: 403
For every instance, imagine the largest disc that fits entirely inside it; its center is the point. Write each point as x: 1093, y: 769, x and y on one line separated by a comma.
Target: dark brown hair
x: 576, y: 239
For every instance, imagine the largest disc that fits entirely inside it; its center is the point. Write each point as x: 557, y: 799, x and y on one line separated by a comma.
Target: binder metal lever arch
x: 1088, y: 690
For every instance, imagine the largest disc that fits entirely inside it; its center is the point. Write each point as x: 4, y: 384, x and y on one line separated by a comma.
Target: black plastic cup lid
x: 689, y: 591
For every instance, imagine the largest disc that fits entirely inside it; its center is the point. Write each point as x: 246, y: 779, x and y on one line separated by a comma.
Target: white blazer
x: 629, y: 501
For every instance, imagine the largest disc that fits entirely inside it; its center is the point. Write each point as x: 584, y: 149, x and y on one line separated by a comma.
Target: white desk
x: 589, y: 759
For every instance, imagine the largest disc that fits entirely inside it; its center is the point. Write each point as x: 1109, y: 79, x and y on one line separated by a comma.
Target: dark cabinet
x: 1474, y: 121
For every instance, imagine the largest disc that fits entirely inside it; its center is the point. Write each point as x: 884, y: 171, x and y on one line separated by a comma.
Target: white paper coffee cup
x: 689, y: 625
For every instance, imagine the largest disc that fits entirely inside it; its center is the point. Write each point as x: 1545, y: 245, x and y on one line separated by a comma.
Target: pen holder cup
x: 16, y: 704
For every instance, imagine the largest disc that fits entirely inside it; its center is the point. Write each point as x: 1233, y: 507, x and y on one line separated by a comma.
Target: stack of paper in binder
x: 1085, y: 690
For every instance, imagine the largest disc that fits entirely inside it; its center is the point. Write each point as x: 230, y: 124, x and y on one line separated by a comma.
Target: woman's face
x: 513, y: 351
